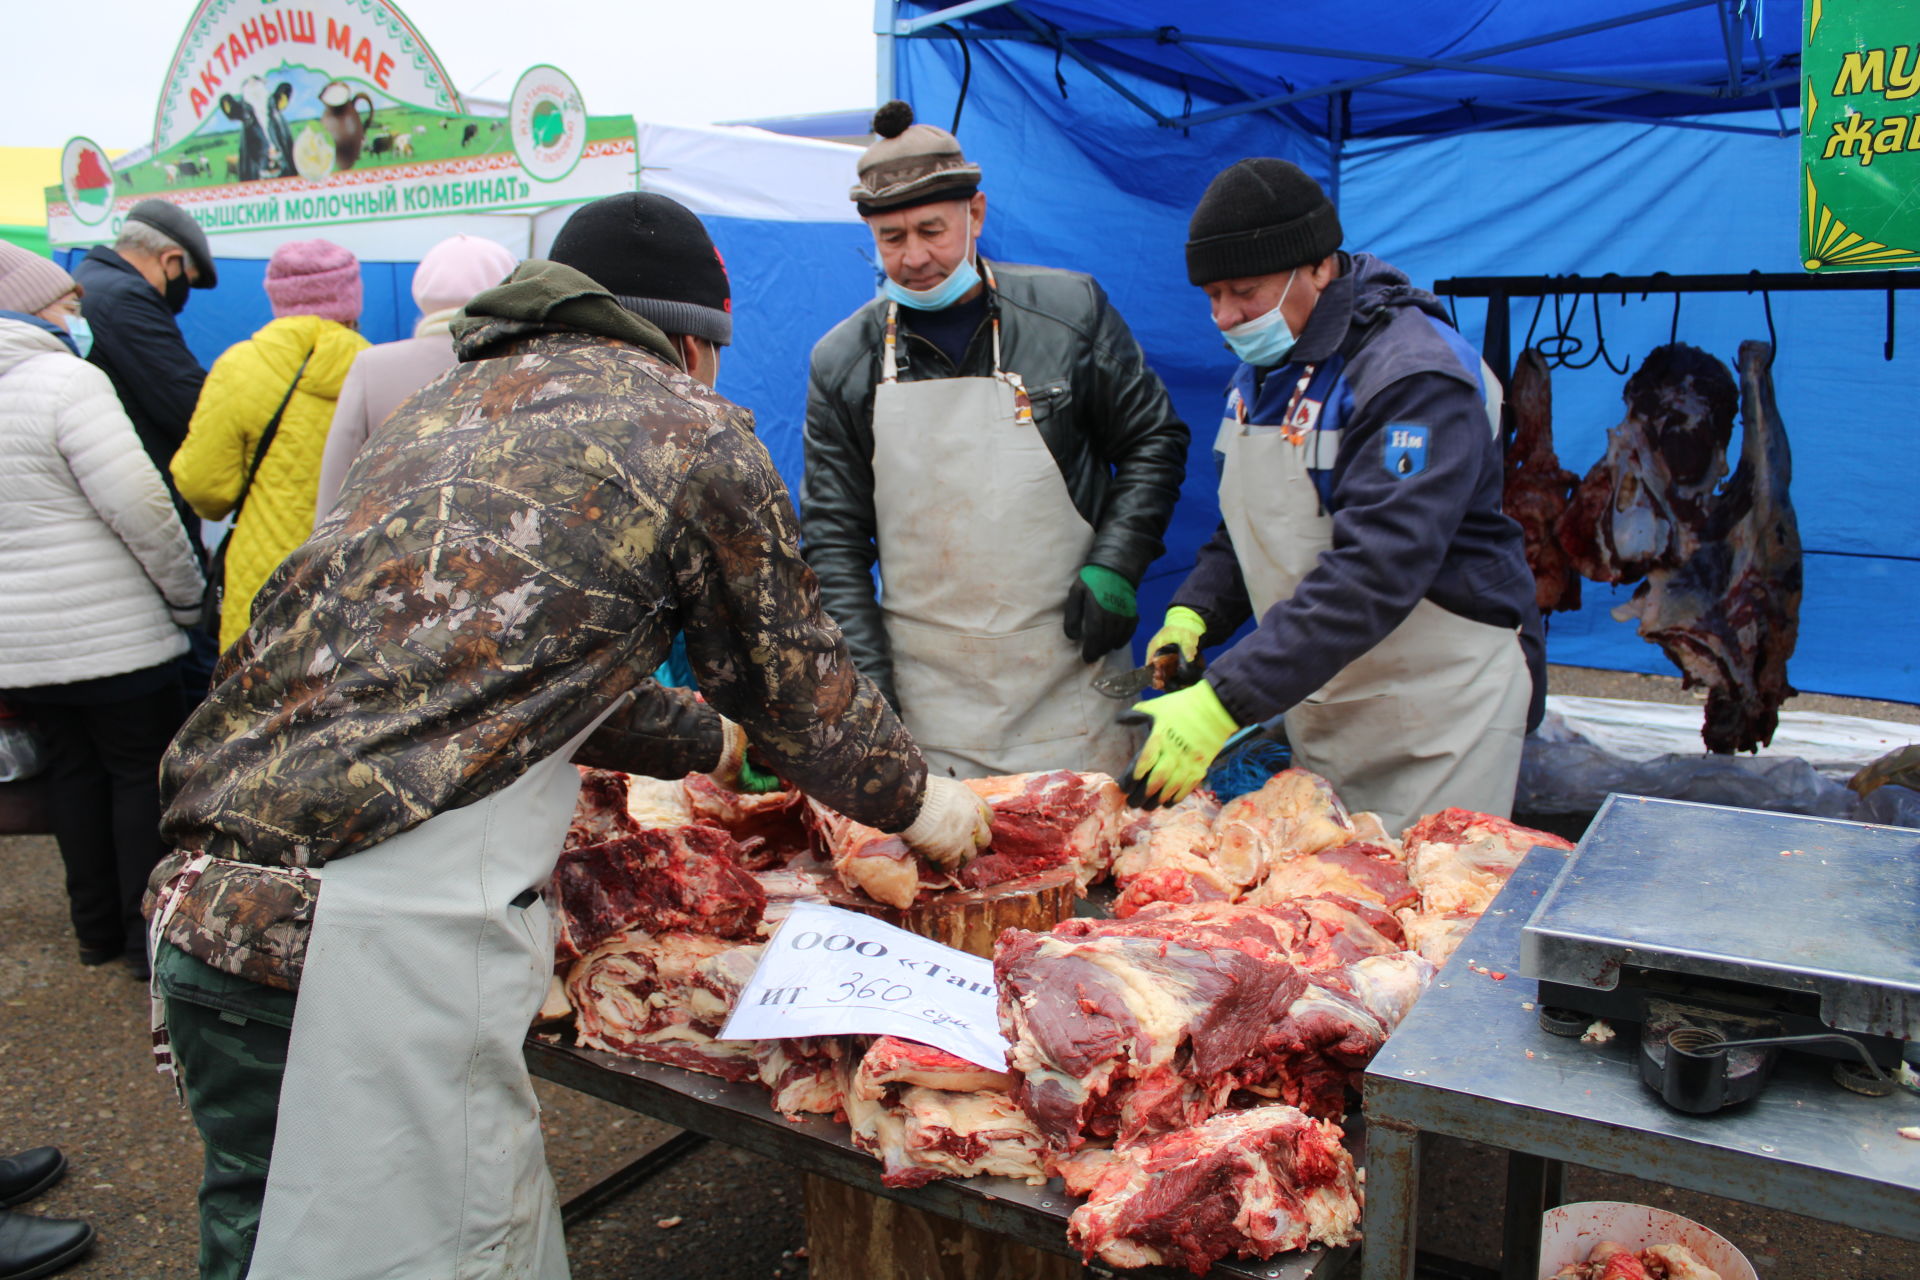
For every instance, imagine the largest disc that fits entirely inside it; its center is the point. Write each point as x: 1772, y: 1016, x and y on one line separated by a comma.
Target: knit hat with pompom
x: 911, y: 164
x: 314, y: 278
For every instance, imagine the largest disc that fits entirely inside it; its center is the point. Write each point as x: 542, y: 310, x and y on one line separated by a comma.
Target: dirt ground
x: 74, y: 1071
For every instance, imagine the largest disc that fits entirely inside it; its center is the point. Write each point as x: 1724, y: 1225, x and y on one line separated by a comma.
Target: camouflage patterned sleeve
x: 766, y: 654
x: 661, y: 732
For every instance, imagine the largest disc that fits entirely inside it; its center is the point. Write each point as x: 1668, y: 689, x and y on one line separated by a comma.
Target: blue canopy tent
x: 1492, y: 138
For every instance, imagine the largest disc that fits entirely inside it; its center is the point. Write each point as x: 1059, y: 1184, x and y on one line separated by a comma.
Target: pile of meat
x: 1610, y: 1261
x: 1719, y: 567
x: 1293, y: 841
x: 1184, y: 1066
x: 667, y: 889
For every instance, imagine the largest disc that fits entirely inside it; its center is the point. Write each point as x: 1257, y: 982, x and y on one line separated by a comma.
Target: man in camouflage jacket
x: 512, y: 555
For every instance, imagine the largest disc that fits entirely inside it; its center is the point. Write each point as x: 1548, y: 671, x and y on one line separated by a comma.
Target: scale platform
x: 1809, y: 923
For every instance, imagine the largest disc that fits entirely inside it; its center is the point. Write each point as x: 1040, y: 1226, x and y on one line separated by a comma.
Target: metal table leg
x: 1392, y: 1218
x: 1533, y: 1186
x: 658, y: 1158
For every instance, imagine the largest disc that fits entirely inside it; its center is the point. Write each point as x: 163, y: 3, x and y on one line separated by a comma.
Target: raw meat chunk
x: 657, y: 802
x: 805, y: 1074
x: 680, y: 878
x: 771, y: 829
x: 664, y: 997
x: 1165, y: 857
x: 1295, y: 813
x: 600, y: 814
x: 1436, y: 935
x: 1459, y: 860
x: 1250, y: 1183
x: 1537, y: 486
x: 891, y: 1061
x: 1369, y: 872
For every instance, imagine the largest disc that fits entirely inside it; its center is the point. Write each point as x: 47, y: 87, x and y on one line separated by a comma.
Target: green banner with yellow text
x: 1860, y: 135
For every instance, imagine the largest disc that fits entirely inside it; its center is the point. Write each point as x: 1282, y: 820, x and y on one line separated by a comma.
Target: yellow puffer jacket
x: 241, y: 393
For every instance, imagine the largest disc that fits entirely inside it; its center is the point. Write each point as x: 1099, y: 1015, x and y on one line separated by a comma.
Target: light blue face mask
x: 948, y: 291
x: 1265, y: 340
x: 82, y: 334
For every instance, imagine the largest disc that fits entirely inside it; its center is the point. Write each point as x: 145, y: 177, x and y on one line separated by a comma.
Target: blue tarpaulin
x: 1465, y: 140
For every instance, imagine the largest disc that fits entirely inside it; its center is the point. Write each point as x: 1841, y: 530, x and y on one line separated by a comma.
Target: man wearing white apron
x: 1360, y: 485
x: 350, y: 941
x: 991, y: 436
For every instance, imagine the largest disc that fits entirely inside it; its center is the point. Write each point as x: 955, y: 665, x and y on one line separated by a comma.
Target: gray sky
x: 94, y: 67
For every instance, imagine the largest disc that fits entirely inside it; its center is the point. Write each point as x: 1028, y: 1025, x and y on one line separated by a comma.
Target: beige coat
x: 380, y: 379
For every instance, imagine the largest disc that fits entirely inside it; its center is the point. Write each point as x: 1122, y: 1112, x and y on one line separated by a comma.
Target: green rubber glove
x: 1182, y: 629
x: 1189, y: 728
x: 757, y: 782
x: 1101, y: 611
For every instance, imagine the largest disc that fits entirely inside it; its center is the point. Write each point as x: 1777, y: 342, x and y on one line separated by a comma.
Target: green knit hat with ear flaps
x: 910, y: 164
x: 1258, y: 217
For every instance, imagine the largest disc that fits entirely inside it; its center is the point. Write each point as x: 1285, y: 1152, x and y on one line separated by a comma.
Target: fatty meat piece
x: 678, y: 878
x: 1436, y: 935
x: 1369, y: 872
x: 1537, y: 487
x: 1164, y: 857
x: 1459, y: 860
x: 1728, y: 613
x: 664, y: 998
x: 657, y: 802
x: 890, y: 1062
x: 806, y: 1075
x: 1040, y: 821
x: 1294, y: 813
x: 1251, y: 1183
x: 1679, y: 1261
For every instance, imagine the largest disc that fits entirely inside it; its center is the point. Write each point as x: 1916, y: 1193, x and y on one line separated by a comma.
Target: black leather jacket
x: 1104, y: 415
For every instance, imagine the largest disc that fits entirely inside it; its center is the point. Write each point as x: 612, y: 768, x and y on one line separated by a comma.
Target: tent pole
x: 885, y: 13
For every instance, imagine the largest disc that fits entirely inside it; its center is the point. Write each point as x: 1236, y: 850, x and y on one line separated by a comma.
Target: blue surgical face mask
x: 948, y: 291
x: 1265, y: 340
x: 81, y: 333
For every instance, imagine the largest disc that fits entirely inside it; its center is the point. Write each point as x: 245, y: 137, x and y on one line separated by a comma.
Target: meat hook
x: 1766, y: 300
x: 1889, y: 324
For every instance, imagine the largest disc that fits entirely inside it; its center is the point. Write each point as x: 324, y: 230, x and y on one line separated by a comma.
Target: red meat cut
x: 1537, y: 486
x: 680, y: 878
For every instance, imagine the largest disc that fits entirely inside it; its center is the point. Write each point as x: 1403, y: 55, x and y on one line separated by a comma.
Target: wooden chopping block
x: 856, y: 1235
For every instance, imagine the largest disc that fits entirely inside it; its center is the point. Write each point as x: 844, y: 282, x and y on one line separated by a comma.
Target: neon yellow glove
x: 1179, y: 636
x: 1189, y: 728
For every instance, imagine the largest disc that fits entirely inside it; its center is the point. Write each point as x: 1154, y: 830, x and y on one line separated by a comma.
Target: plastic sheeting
x: 1087, y: 181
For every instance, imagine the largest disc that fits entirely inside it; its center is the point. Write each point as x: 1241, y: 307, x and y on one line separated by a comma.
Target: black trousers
x: 103, y: 784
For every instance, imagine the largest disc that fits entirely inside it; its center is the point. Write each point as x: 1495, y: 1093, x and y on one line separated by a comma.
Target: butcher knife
x: 1174, y: 670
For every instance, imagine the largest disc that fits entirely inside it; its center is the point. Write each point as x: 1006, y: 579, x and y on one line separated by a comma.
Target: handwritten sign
x: 829, y: 972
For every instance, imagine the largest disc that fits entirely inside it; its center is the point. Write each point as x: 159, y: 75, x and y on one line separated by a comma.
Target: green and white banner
x: 1860, y: 135
x: 292, y: 116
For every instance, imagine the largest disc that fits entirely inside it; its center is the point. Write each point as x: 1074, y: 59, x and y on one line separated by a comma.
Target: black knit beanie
x: 655, y: 258
x: 1260, y: 216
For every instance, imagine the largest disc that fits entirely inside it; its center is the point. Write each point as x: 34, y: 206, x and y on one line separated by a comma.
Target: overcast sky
x: 94, y: 67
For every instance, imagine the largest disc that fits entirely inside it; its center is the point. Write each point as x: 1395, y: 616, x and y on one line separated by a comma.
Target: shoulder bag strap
x: 266, y: 438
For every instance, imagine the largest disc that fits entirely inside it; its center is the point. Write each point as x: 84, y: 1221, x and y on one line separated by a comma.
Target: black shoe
x: 32, y: 1247
x: 137, y: 965
x: 26, y: 1175
x: 100, y: 955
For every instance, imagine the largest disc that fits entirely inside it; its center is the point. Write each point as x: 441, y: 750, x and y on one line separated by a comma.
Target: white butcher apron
x: 1434, y: 714
x: 979, y: 545
x: 408, y: 1143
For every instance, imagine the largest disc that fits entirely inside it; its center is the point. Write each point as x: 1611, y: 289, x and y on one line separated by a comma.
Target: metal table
x: 1471, y: 1061
x: 740, y: 1115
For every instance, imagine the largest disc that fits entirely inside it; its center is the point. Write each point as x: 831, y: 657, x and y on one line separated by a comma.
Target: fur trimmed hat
x: 314, y: 278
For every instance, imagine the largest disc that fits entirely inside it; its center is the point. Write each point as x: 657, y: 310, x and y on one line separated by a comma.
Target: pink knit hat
x: 454, y: 270
x: 314, y: 278
x: 30, y: 283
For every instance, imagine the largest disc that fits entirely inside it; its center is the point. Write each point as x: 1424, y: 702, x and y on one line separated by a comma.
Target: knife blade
x: 1166, y: 669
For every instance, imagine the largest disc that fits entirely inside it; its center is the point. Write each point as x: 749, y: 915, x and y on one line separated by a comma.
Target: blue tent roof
x: 1394, y: 67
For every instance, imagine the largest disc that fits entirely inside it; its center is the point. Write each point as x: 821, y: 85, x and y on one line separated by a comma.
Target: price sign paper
x: 829, y: 972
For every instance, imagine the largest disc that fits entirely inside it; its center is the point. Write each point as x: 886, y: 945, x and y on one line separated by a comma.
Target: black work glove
x: 1101, y: 613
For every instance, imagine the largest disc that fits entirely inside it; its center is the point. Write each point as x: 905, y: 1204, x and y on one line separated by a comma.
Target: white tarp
x: 1835, y: 745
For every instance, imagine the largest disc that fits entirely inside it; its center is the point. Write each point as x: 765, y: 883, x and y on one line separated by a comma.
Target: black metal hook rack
x: 1500, y: 290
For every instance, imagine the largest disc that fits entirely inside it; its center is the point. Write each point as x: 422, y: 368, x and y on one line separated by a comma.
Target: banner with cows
x: 303, y: 115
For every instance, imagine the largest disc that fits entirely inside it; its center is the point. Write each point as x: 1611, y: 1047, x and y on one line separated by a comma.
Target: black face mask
x: 176, y: 291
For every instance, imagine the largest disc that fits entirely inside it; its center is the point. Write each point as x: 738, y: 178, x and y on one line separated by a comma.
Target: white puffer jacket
x: 95, y: 571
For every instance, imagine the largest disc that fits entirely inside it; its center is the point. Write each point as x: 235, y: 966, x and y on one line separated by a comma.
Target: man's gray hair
x: 147, y: 238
